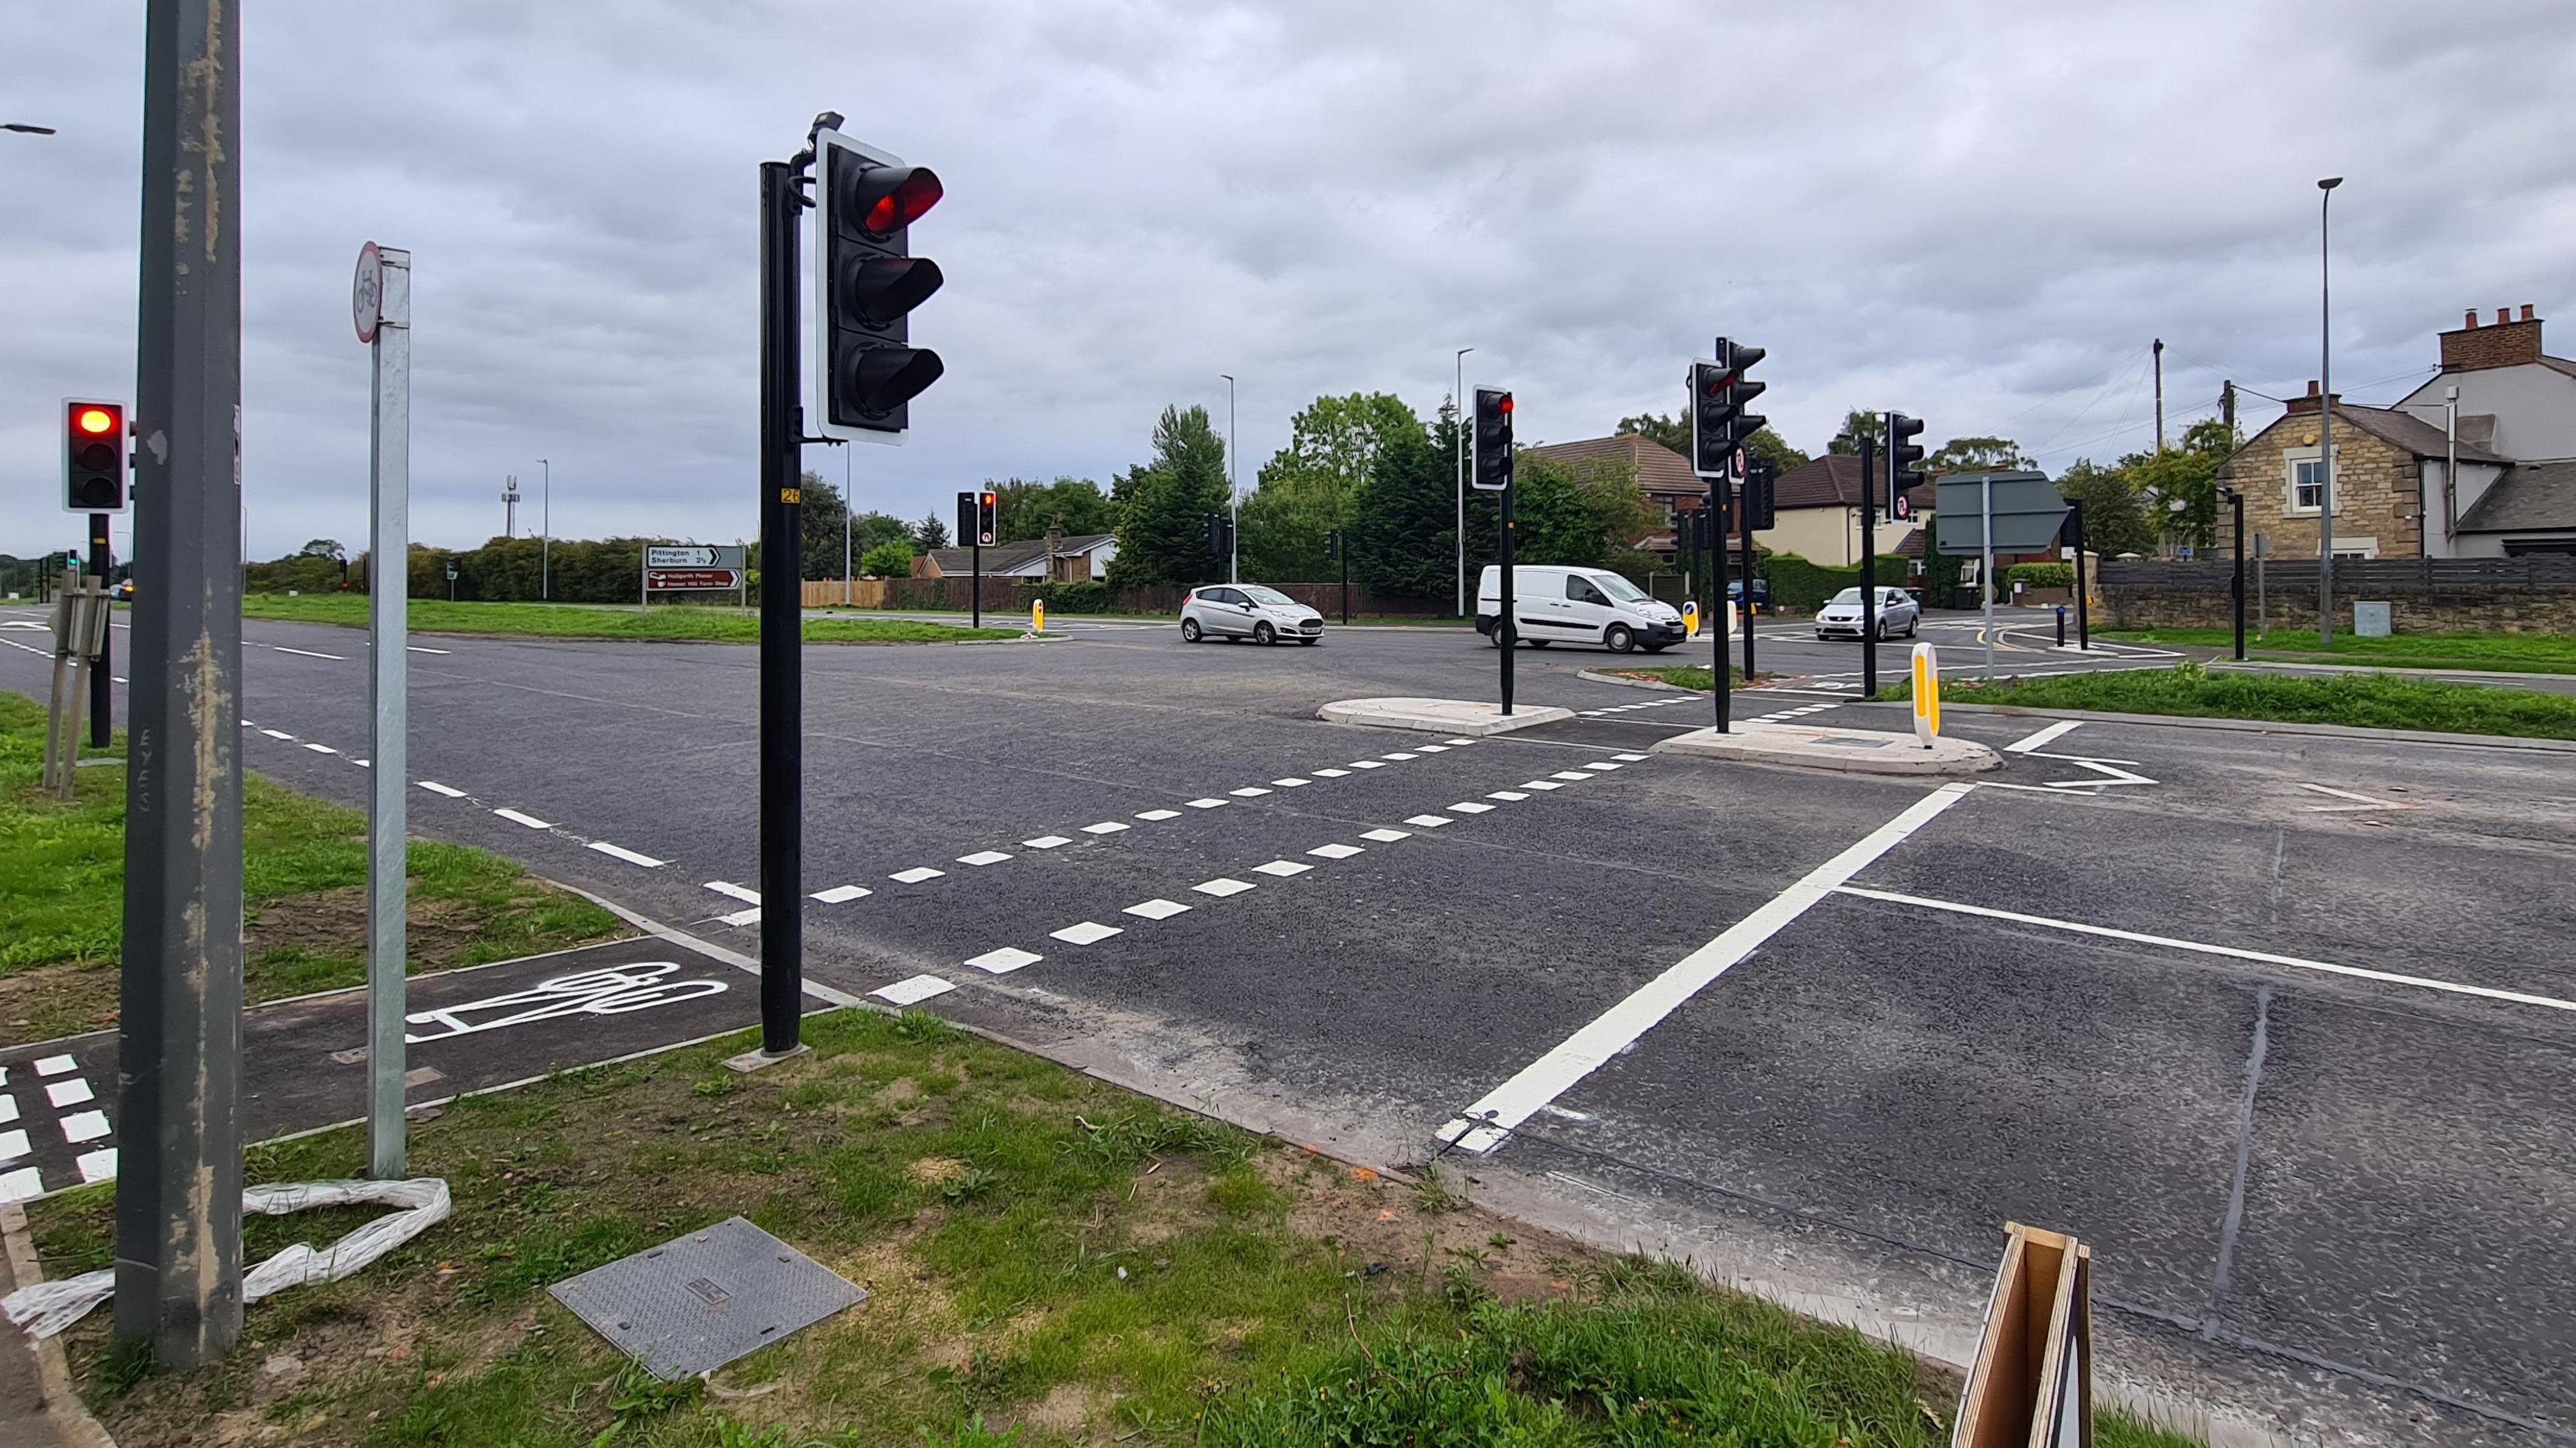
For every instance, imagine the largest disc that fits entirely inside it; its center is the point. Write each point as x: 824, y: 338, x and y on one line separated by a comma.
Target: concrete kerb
x: 1846, y: 751
x: 2274, y: 726
x: 1439, y: 716
x: 64, y: 1412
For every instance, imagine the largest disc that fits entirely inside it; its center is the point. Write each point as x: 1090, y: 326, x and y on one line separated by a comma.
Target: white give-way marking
x: 2049, y: 735
x: 1489, y: 1122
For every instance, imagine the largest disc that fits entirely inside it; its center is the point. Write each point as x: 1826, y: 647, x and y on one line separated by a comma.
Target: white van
x: 1577, y: 606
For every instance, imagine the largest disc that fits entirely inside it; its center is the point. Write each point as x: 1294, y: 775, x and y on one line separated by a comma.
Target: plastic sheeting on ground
x: 48, y: 1307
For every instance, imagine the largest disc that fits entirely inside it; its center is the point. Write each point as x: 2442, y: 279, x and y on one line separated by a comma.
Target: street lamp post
x: 1458, y: 449
x: 2325, y: 411
x: 1233, y: 493
x: 546, y: 532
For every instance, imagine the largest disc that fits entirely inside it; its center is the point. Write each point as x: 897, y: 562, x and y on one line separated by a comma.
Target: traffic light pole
x: 1720, y: 515
x: 782, y: 686
x: 99, y: 700
x: 1748, y: 581
x: 178, y: 1128
x: 975, y: 608
x: 2236, y: 585
x: 1868, y: 570
x: 1503, y: 620
x: 2083, y: 619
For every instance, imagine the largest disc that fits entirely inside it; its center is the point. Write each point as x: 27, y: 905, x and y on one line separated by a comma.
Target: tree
x: 1575, y: 515
x: 1028, y: 509
x: 1304, y: 491
x: 890, y: 559
x: 323, y: 548
x: 1162, y: 534
x: 869, y: 530
x: 2114, y: 522
x: 930, y: 533
x: 1977, y: 455
x: 818, y: 527
x: 1674, y: 432
x: 2186, y: 475
x: 1403, y: 522
x: 1857, y: 425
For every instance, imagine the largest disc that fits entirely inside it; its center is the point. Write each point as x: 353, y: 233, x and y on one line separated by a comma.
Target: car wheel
x: 1500, y: 637
x: 1914, y: 626
x: 1620, y: 638
x: 1263, y: 633
x: 1190, y: 632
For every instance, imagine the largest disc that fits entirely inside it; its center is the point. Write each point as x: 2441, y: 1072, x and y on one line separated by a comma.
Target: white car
x: 1231, y: 611
x: 1898, y: 613
x: 1594, y: 606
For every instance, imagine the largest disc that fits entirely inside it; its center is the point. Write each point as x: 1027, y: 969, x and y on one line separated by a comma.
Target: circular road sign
x: 367, y: 292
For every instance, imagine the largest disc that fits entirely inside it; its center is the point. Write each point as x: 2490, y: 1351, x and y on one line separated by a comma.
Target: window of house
x: 2308, y: 484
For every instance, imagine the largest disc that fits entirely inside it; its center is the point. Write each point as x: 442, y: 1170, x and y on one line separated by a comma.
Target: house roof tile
x: 1659, y: 469
x: 2529, y: 496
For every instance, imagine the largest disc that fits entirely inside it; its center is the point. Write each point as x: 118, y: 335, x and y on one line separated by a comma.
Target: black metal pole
x: 1868, y: 571
x: 2237, y: 584
x: 178, y: 1128
x: 1342, y: 550
x: 2083, y: 622
x: 1747, y: 533
x: 782, y: 684
x: 100, y: 701
x: 1720, y: 489
x: 1504, y: 621
x: 975, y: 585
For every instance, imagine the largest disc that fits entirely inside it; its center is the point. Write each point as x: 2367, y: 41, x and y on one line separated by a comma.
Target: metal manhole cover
x: 698, y: 1302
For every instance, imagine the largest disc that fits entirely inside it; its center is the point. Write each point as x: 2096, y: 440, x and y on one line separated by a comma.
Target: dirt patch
x: 333, y: 924
x: 936, y: 1171
x: 1065, y: 1410
x: 56, y: 1000
x: 1381, y: 1225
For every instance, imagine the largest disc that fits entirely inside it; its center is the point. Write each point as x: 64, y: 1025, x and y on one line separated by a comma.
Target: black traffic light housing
x: 978, y: 518
x: 1741, y: 389
x: 1719, y: 390
x: 1332, y: 544
x: 1493, y: 471
x: 1220, y: 536
x: 866, y: 283
x: 1903, y: 455
x: 93, y: 456
x: 1759, y: 478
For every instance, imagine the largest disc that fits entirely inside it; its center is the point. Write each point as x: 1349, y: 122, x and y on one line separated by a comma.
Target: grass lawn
x: 62, y: 893
x: 2532, y: 653
x: 602, y: 621
x: 1050, y: 1260
x: 2371, y: 700
x: 1683, y: 676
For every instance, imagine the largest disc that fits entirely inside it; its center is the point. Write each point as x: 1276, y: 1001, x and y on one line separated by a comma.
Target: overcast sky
x: 1978, y: 213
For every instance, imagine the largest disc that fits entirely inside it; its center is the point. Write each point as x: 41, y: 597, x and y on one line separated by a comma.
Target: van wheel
x: 1263, y: 633
x: 1500, y: 637
x: 1540, y: 643
x: 1620, y: 638
x: 1190, y: 631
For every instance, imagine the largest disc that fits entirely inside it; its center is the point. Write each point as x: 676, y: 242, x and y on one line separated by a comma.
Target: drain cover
x: 698, y: 1302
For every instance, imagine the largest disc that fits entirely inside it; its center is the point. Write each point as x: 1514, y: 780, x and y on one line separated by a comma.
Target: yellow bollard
x: 1927, y: 695
x: 1690, y: 619
x: 1037, y: 616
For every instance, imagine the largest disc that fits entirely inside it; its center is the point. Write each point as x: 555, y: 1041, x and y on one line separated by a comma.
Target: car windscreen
x: 1268, y: 595
x: 1617, y: 587
x: 1848, y: 595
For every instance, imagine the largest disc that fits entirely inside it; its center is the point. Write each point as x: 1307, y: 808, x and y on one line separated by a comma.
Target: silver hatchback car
x: 1231, y: 611
x: 1898, y: 613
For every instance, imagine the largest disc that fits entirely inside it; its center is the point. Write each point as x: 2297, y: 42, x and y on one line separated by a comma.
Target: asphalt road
x: 2281, y: 1024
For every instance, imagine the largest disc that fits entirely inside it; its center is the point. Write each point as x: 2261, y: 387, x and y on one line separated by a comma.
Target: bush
x: 1090, y: 596
x: 2041, y: 575
x: 890, y: 559
x: 1803, y: 587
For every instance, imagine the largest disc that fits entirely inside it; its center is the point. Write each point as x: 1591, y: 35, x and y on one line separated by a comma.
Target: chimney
x: 2506, y: 342
x: 2309, y: 403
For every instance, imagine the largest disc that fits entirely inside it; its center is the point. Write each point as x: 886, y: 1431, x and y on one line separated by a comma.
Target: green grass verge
x: 602, y: 621
x: 2368, y: 700
x: 1051, y: 1261
x: 2527, y: 653
x: 304, y: 871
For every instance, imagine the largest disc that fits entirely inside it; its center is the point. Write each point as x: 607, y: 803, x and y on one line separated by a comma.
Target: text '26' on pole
x: 866, y: 371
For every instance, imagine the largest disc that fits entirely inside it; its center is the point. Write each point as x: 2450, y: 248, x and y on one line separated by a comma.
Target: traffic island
x: 1851, y: 751
x: 1439, y: 716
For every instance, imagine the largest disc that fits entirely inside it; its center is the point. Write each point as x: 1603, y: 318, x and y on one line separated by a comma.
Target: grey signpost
x: 380, y: 304
x: 1981, y: 513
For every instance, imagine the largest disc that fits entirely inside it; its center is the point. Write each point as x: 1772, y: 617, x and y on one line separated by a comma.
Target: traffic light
x: 1759, y: 477
x: 988, y: 515
x: 866, y: 284
x: 1719, y: 391
x: 1903, y: 453
x: 1332, y: 544
x: 93, y: 456
x: 1220, y: 536
x: 1493, y: 439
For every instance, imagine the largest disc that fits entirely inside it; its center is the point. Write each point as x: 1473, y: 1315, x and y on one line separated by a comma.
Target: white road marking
x: 1397, y: 756
x: 363, y: 763
x: 308, y: 653
x: 1603, y: 765
x: 1629, y: 758
x: 420, y: 649
x: 984, y: 857
x: 8, y: 1108
x: 620, y: 852
x: 1046, y: 842
x: 912, y: 990
x: 1457, y: 743
x: 1106, y: 827
x: 70, y: 1093
x: 1157, y: 909
x: 843, y: 894
x: 1367, y: 764
x: 1565, y: 1114
x: 434, y: 787
x: 1089, y: 932
x: 2048, y: 735
x: 1005, y: 960
x: 728, y: 888
x: 1592, y: 713
x: 98, y: 1166
x: 742, y: 917
x: 14, y: 1144
x: 1431, y: 749
x: 1334, y: 851
x: 1332, y: 774
x: 1221, y: 887
x: 2348, y: 794
x: 1540, y: 784
x: 119, y: 678
x: 2204, y: 948
x: 1569, y: 775
x: 1489, y: 1122
x: 55, y: 1065
x: 23, y: 1185
x: 1508, y: 796
x: 915, y: 875
x: 1282, y: 868
x: 1206, y: 804
x: 1387, y: 837
x: 516, y: 818
x: 1292, y: 782
x: 321, y: 748
x: 1430, y: 821
x: 83, y: 1126
x: 278, y: 734
x: 1249, y: 791
x: 1470, y: 807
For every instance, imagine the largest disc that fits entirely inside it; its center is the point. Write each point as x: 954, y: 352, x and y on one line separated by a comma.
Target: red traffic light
x: 891, y: 198
x: 1506, y: 403
x: 96, y: 421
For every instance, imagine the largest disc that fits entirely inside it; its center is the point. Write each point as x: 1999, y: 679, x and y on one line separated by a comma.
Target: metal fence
x: 2364, y: 577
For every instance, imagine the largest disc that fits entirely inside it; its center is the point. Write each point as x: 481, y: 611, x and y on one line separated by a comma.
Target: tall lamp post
x: 1458, y: 449
x: 1233, y: 493
x: 546, y: 532
x: 2325, y: 410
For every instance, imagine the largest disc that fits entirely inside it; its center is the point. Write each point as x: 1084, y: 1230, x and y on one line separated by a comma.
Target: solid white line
x: 321, y: 748
x: 278, y: 734
x: 434, y: 787
x: 629, y: 856
x: 31, y: 648
x: 308, y: 653
x: 2048, y: 735
x: 516, y: 818
x: 2203, y: 948
x: 415, y: 648
x: 2344, y: 793
x: 1488, y: 1123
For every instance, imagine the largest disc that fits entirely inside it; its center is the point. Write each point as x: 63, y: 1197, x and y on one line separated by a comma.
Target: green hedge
x: 1803, y: 587
x: 1089, y: 596
x: 2041, y: 575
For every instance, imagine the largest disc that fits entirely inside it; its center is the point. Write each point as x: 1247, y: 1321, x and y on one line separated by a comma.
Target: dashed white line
x: 321, y: 748
x: 529, y: 820
x: 1249, y: 791
x: 1396, y: 756
x: 1158, y: 814
x: 1457, y: 743
x: 422, y: 649
x: 1292, y: 782
x: 1282, y: 868
x: 1106, y: 827
x: 1046, y: 842
x: 620, y: 852
x: 729, y: 889
x: 1334, y: 851
x: 1387, y: 837
x: 83, y: 1126
x: 984, y: 857
x: 912, y: 990
x: 1570, y: 775
x: 1540, y: 784
x: 279, y: 734
x: 1004, y: 960
x: 1157, y: 909
x: 1629, y: 758
x: 1089, y: 932
x: 70, y: 1093
x: 742, y: 917
x: 1470, y: 807
x: 1332, y: 774
x: 434, y: 787
x: 843, y: 894
x: 1431, y: 749
x: 1367, y: 764
x: 1430, y: 821
x: 1220, y: 887
x: 1207, y: 804
x: 916, y: 875
x: 308, y: 653
x: 1508, y: 796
